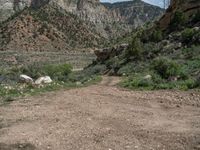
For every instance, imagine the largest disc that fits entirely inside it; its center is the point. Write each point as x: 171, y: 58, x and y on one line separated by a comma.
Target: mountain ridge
x: 84, y: 23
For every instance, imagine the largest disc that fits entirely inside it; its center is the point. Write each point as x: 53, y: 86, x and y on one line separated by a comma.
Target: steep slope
x: 46, y: 29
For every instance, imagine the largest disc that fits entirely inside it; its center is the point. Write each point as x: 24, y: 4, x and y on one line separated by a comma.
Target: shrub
x: 178, y: 21
x: 190, y: 83
x: 135, y: 49
x: 192, y: 52
x: 138, y: 82
x: 56, y: 72
x: 187, y: 35
x: 156, y: 36
x: 151, y: 50
x: 166, y: 68
x: 196, y: 17
x: 33, y: 70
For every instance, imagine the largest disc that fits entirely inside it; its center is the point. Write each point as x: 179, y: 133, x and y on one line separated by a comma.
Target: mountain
x: 43, y: 25
x: 133, y: 12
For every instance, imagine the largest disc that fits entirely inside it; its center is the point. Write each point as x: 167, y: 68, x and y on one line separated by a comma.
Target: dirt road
x: 102, y: 117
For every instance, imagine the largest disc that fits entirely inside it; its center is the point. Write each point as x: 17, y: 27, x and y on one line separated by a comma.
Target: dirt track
x: 102, y: 117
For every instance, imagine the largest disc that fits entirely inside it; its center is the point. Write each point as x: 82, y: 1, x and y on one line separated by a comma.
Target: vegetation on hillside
x: 160, y: 59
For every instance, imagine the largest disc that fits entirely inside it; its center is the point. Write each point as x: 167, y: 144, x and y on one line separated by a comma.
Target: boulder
x: 25, y: 79
x: 45, y: 80
x: 106, y: 53
x: 78, y: 83
x: 148, y: 77
x: 103, y: 54
x: 196, y: 28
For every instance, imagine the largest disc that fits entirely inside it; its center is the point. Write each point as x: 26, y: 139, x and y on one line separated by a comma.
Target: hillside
x: 66, y: 25
x: 165, y: 55
x: 46, y: 29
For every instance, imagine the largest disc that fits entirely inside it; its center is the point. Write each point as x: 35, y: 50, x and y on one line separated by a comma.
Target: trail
x: 102, y: 117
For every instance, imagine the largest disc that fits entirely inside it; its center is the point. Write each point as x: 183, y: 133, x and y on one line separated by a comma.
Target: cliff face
x: 133, y: 12
x: 188, y: 7
x: 10, y: 7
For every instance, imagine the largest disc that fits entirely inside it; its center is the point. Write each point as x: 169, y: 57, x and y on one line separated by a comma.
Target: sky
x: 154, y: 2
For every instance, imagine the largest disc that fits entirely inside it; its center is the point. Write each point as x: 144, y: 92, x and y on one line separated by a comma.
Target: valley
x: 88, y: 75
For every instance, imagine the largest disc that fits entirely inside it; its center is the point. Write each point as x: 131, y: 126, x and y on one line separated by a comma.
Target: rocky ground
x: 102, y: 117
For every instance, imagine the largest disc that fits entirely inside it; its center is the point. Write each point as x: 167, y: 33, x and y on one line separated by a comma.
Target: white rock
x: 45, y: 80
x: 78, y: 83
x: 25, y: 79
x: 148, y: 77
x: 124, y: 74
x: 196, y: 28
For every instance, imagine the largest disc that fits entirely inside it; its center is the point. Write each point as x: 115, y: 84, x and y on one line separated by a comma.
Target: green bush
x: 135, y: 49
x: 33, y: 70
x: 192, y: 52
x: 56, y: 72
x: 95, y: 70
x: 151, y: 50
x: 138, y: 82
x: 156, y: 36
x: 178, y: 20
x: 196, y: 17
x: 166, y: 68
x: 187, y: 35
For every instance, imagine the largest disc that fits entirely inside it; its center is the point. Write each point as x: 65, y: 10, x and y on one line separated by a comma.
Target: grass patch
x: 156, y: 82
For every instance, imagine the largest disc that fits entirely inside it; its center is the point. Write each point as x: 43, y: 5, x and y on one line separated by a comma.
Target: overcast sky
x: 154, y: 2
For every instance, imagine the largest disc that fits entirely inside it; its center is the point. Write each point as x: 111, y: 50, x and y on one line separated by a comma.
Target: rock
x: 148, y: 77
x: 104, y: 54
x: 78, y: 83
x: 25, y: 79
x: 165, y: 42
x: 179, y: 45
x: 196, y: 28
x: 45, y: 80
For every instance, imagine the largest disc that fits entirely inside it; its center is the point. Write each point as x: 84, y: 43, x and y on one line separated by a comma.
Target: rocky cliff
x: 186, y: 7
x: 10, y: 7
